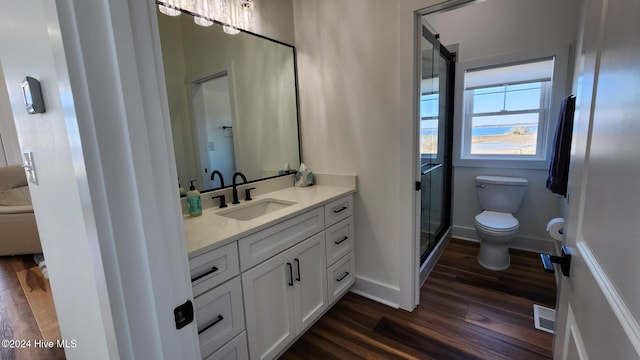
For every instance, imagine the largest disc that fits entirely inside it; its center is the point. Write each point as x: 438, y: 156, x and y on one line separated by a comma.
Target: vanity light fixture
x: 245, y: 18
x: 233, y: 14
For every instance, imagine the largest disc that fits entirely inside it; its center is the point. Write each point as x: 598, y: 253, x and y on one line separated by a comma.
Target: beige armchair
x: 18, y: 230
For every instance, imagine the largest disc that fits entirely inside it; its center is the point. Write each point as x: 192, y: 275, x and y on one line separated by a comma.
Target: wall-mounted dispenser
x: 32, y: 93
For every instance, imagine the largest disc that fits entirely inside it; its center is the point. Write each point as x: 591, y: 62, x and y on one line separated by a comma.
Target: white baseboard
x: 527, y: 243
x: 376, y: 291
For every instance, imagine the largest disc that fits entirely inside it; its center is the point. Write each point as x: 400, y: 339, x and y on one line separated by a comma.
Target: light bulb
x: 202, y: 21
x: 169, y: 11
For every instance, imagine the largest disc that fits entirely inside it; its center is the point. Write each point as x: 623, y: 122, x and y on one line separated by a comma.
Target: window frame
x: 543, y: 120
x: 547, y: 122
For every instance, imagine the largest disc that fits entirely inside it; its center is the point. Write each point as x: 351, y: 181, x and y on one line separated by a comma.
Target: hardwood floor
x: 465, y: 312
x: 25, y: 300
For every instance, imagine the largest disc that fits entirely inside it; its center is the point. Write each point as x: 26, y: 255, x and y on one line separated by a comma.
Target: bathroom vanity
x: 261, y: 282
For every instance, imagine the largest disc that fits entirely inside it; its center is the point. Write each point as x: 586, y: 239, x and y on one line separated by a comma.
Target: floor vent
x: 544, y: 319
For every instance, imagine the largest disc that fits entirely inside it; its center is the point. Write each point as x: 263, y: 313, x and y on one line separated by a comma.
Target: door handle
x: 564, y: 261
x: 343, y: 208
x: 213, y: 269
x: 214, y: 323
x: 298, y: 266
x: 290, y: 283
x: 338, y: 242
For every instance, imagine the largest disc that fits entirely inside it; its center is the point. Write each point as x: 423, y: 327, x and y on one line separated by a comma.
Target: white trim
x: 376, y: 291
x: 521, y: 242
x: 573, y: 332
x: 614, y: 298
x: 407, y: 258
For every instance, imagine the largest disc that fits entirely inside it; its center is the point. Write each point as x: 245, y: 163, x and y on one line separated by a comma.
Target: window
x: 506, y: 110
x: 429, y: 103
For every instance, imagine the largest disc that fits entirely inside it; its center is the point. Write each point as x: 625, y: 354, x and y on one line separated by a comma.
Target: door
x: 213, y: 125
x: 599, y: 304
x: 310, y: 274
x: 268, y: 304
x: 436, y: 121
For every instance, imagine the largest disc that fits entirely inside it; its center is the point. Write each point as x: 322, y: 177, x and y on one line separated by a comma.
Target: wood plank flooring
x: 465, y: 312
x: 23, y: 292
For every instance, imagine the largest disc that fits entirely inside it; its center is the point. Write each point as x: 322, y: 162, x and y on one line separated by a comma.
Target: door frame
x: 193, y: 83
x: 423, y: 266
x: 125, y: 70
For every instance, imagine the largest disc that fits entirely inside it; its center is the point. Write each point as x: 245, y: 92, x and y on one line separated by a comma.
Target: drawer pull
x: 214, y: 323
x: 340, y: 210
x: 338, y: 242
x: 298, y: 265
x: 213, y: 269
x: 290, y: 283
x: 346, y: 273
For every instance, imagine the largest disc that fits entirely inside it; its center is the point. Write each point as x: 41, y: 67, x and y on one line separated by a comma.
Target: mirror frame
x: 297, y: 99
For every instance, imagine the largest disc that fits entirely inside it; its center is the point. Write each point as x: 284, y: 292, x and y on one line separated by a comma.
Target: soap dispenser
x: 194, y: 203
x: 181, y: 190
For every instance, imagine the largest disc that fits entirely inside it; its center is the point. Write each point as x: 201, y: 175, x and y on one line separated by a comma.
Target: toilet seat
x: 496, y: 221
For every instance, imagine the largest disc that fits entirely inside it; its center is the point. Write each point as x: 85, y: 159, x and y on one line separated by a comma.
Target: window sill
x: 530, y: 164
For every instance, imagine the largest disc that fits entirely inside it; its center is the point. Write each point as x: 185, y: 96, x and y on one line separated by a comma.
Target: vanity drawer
x: 266, y: 243
x: 339, y: 240
x: 213, y: 268
x: 235, y: 349
x: 338, y: 210
x: 219, y: 315
x: 340, y: 277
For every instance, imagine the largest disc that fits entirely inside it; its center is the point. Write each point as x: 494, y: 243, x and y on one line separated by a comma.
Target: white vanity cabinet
x: 340, y: 244
x: 218, y: 305
x: 253, y: 297
x: 284, y: 295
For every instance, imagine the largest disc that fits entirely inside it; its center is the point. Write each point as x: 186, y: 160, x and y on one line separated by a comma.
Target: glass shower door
x: 436, y: 121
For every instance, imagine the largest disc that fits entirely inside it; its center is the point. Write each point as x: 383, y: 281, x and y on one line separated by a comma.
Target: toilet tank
x: 501, y: 193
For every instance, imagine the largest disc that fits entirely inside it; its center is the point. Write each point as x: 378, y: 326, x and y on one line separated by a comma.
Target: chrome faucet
x: 213, y: 175
x: 235, y: 189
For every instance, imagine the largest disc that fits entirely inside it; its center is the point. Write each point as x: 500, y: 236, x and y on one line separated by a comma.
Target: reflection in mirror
x: 232, y: 102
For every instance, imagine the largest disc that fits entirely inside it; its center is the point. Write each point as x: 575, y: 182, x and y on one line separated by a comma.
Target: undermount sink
x: 255, y: 209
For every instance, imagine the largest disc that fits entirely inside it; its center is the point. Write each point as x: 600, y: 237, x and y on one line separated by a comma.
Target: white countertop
x: 209, y: 231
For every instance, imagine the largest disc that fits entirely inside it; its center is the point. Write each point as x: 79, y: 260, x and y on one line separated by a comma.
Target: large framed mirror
x: 232, y: 102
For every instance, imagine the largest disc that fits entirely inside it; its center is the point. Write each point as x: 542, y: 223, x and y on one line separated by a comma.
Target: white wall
x: 347, y: 63
x: 9, y: 147
x: 274, y: 19
x: 490, y: 28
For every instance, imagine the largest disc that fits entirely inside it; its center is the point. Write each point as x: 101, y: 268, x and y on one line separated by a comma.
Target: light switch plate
x: 30, y: 167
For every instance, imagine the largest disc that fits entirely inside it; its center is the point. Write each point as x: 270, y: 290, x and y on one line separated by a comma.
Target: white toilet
x: 500, y: 197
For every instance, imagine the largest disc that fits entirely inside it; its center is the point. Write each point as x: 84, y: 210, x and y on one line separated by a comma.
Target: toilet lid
x: 496, y: 221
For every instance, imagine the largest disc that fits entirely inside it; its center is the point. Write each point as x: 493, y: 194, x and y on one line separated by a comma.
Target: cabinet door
x: 310, y: 275
x: 268, y: 301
